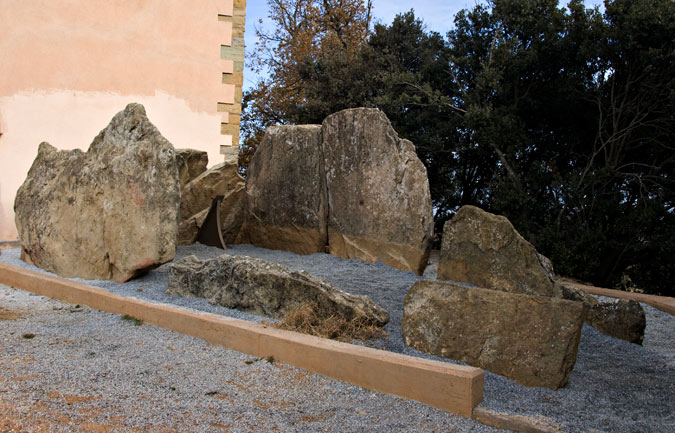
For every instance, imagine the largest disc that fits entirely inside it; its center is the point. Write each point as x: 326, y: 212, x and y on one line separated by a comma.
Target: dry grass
x: 306, y: 320
x: 136, y: 321
x: 9, y: 315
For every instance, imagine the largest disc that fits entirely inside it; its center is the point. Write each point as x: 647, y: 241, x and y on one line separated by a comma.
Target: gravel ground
x: 88, y: 371
x: 615, y: 387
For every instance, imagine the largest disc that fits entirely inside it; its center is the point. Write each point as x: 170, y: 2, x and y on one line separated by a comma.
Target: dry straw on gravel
x: 307, y: 320
x: 9, y: 315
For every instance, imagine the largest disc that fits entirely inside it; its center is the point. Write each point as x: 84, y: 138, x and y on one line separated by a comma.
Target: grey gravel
x: 616, y: 386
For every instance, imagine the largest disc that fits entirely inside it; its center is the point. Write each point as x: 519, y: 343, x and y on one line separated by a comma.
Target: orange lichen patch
x: 97, y: 428
x: 9, y: 315
x: 224, y: 396
x: 43, y: 418
x: 314, y: 418
x: 137, y: 195
x: 283, y: 404
x: 22, y: 360
x: 221, y: 426
x: 72, y: 399
x: 92, y: 413
x: 261, y: 405
x: 25, y: 378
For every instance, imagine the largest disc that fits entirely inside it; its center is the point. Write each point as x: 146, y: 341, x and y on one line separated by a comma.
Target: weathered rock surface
x: 287, y: 199
x: 531, y: 339
x: 109, y: 213
x: 191, y: 163
x: 351, y: 185
x: 621, y: 318
x: 222, y: 179
x: 378, y: 192
x: 233, y: 213
x: 486, y: 250
x: 265, y: 288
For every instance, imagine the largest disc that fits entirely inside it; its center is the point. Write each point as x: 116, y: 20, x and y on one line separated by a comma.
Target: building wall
x: 69, y: 65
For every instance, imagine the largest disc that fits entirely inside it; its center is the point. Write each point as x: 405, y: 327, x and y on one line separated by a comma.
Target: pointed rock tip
x: 45, y: 147
x: 134, y: 108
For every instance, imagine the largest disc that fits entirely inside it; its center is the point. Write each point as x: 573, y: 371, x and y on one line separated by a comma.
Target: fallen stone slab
x: 485, y: 250
x: 108, y: 213
x: 621, y: 318
x: 530, y: 339
x: 378, y: 192
x: 264, y: 288
x: 287, y: 201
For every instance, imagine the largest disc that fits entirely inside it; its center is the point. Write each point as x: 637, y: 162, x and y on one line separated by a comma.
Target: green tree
x: 560, y: 118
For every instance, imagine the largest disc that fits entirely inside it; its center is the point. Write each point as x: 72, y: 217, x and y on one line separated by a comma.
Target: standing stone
x: 191, y: 163
x: 486, y: 250
x: 531, y: 339
x: 222, y: 179
x: 378, y: 192
x: 109, y: 213
x: 287, y: 200
x: 266, y: 288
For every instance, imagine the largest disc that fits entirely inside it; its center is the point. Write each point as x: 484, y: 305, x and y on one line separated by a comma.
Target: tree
x: 560, y: 118
x: 567, y: 100
x: 305, y: 30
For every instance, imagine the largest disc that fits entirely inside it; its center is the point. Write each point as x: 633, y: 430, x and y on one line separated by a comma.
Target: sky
x: 437, y: 15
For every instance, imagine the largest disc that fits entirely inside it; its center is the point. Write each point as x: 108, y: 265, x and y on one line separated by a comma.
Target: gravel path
x: 615, y: 387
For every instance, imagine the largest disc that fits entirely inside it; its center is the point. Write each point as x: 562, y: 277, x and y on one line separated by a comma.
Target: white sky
x: 437, y: 15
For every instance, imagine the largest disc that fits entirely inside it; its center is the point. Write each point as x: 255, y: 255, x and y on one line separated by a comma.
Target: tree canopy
x: 560, y: 118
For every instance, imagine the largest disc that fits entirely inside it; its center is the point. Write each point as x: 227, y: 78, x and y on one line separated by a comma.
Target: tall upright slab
x: 485, y: 250
x: 378, y: 192
x: 287, y: 201
x: 109, y: 213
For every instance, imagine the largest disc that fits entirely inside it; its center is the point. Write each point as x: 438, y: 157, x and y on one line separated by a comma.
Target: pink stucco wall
x: 69, y: 65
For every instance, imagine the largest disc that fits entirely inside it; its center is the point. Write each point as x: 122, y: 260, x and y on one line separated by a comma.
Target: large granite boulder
x: 378, y: 192
x: 486, y: 250
x: 266, y: 288
x: 191, y: 163
x: 222, y: 179
x: 531, y: 339
x: 622, y: 318
x: 286, y: 188
x: 109, y: 213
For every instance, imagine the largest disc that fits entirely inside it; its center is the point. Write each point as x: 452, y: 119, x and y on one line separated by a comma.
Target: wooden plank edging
x: 515, y: 423
x: 455, y: 388
x: 663, y: 303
